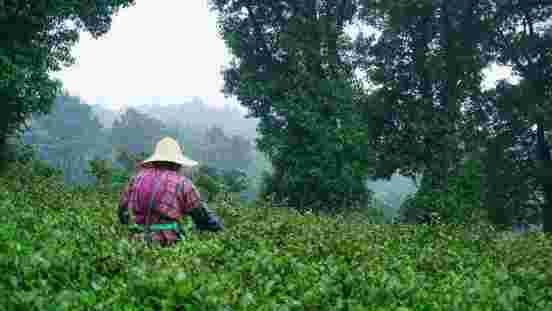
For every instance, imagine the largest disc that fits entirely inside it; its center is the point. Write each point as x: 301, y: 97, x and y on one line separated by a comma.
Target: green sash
x: 155, y: 227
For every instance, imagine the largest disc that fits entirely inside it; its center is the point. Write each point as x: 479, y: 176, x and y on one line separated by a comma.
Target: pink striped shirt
x: 174, y: 197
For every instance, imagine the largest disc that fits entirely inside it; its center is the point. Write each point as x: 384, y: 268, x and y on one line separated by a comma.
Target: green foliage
x: 527, y: 50
x: 120, y: 178
x: 215, y: 183
x: 460, y: 203
x: 291, y: 73
x: 429, y: 111
x: 102, y: 171
x: 14, y: 150
x: 37, y: 41
x: 427, y: 65
x: 235, y: 180
x: 62, y: 249
x: 129, y: 161
x: 510, y: 170
x: 106, y: 176
x: 209, y: 186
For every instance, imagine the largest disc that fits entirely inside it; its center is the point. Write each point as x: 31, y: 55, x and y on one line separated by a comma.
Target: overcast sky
x: 157, y: 51
x: 160, y: 50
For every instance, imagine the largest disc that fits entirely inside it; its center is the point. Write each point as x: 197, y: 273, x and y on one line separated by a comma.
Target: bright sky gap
x: 160, y: 54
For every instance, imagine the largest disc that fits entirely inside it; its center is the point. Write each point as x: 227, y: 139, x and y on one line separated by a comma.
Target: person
x: 158, y: 196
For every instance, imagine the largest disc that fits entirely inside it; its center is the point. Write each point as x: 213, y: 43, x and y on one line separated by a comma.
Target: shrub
x: 102, y: 171
x: 220, y: 184
x: 461, y: 202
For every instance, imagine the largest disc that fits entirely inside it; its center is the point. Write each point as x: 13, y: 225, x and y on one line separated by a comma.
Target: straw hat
x: 168, y: 150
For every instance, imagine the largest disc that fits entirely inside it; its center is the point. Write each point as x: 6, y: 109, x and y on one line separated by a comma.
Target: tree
x: 427, y: 66
x: 68, y: 137
x: 37, y: 37
x: 292, y: 71
x: 128, y: 160
x: 225, y: 152
x: 137, y: 132
x: 523, y: 40
x: 510, y: 192
x: 102, y: 171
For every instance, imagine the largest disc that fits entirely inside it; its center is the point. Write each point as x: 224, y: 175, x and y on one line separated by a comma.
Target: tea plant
x: 62, y: 249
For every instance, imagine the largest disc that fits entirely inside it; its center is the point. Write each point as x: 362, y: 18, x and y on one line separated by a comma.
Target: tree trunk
x: 448, y: 98
x: 547, y: 210
x: 3, y: 151
x: 494, y: 200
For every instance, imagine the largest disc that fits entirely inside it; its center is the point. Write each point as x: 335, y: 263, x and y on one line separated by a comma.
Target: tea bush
x: 62, y: 249
x: 460, y: 203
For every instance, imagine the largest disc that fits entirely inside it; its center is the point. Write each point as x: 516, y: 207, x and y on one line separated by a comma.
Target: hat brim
x: 184, y: 161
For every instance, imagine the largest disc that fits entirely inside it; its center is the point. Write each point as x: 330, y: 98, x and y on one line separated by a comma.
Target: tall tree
x: 292, y: 71
x: 427, y: 64
x: 510, y: 192
x: 523, y: 40
x: 35, y: 39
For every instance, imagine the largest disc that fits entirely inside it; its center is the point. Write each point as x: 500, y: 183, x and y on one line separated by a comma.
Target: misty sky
x: 157, y: 52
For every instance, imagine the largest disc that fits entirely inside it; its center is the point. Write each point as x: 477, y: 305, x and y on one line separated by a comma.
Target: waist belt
x: 155, y: 227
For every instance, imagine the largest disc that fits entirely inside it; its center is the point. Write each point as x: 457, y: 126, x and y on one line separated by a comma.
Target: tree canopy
x: 36, y: 39
x: 292, y: 72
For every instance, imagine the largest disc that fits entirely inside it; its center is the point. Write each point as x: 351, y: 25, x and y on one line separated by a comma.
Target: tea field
x: 63, y: 249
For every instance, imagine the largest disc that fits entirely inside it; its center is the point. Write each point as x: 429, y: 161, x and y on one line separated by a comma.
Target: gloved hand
x: 204, y: 219
x: 123, y: 215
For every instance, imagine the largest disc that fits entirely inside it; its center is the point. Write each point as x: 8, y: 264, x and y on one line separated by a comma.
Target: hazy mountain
x: 184, y: 112
x: 197, y: 114
x: 106, y: 116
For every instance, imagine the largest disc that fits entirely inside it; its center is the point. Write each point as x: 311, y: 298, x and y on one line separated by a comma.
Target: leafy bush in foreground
x: 61, y: 250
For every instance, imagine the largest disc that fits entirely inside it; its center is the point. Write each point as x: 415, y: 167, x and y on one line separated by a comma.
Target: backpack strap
x: 150, y: 207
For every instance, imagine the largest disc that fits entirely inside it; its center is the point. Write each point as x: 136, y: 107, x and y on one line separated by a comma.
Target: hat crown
x: 168, y: 147
x: 168, y: 150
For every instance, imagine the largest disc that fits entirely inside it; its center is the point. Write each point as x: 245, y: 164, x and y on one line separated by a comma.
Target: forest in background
x: 74, y: 133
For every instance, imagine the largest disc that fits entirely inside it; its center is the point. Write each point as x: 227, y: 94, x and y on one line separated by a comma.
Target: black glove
x: 204, y: 219
x: 123, y: 215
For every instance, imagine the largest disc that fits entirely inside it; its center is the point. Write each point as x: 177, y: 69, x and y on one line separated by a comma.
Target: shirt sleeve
x: 189, y: 197
x: 202, y: 217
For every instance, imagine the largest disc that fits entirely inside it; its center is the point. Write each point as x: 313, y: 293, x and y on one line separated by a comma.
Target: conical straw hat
x: 168, y: 150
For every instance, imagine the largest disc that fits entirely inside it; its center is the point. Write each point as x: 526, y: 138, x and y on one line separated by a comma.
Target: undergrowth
x: 62, y: 249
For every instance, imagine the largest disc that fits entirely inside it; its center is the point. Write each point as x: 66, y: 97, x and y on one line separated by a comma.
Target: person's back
x: 158, y: 196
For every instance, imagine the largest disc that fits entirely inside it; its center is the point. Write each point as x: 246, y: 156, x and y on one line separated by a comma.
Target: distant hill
x: 188, y: 113
x: 105, y: 116
x: 195, y: 113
